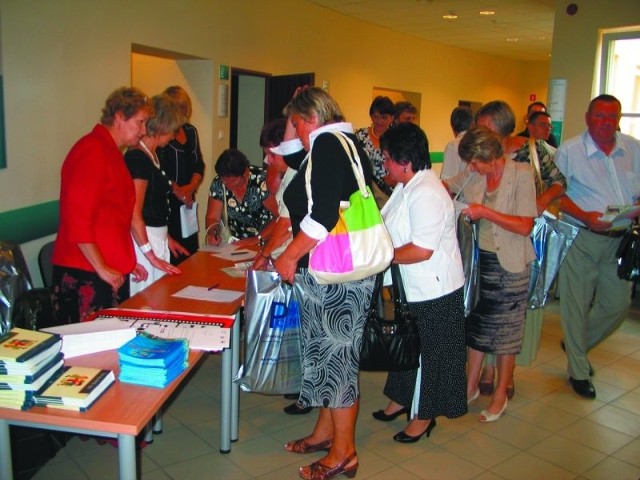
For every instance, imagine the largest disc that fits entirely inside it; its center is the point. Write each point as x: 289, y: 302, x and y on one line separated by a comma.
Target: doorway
x: 256, y: 98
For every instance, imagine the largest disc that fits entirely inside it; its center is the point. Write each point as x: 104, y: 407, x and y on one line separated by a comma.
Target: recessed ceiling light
x: 487, y: 12
x: 512, y: 39
x: 450, y: 16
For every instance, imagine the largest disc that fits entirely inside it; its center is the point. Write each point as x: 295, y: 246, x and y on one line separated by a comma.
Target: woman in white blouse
x: 421, y: 220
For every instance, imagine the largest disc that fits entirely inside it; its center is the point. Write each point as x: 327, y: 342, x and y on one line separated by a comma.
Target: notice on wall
x: 556, y: 105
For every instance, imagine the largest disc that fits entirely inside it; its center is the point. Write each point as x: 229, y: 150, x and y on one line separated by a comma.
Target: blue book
x: 147, y: 350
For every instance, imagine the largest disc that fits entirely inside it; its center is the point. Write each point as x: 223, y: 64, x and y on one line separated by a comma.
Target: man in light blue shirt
x: 602, y: 168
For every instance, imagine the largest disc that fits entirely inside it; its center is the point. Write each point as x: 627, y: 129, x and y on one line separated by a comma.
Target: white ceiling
x: 529, y: 22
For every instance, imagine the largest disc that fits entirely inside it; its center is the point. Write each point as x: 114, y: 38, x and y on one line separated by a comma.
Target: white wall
x: 576, y: 48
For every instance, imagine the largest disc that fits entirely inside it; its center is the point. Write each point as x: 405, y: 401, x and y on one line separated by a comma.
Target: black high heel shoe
x: 383, y: 417
x: 404, y: 438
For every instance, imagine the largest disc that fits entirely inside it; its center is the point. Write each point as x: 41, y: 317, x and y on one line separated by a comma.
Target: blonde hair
x: 314, y: 101
x: 182, y: 99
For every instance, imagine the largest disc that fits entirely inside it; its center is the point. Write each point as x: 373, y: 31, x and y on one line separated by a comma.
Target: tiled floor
x: 547, y: 432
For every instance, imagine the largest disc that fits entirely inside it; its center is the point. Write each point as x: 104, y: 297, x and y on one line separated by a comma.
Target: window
x: 620, y: 75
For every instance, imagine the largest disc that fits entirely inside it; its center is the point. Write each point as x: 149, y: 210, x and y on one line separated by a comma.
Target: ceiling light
x: 512, y: 39
x: 487, y: 12
x: 450, y: 16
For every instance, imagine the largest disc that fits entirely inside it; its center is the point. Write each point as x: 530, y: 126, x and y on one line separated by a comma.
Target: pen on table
x: 239, y: 253
x: 215, y: 285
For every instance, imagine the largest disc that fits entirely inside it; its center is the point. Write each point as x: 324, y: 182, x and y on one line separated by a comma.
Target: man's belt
x: 606, y: 233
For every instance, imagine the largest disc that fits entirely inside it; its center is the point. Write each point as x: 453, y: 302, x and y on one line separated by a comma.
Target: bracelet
x: 146, y: 248
x: 261, y: 241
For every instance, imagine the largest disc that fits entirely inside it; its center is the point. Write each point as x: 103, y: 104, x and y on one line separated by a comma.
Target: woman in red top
x: 93, y: 252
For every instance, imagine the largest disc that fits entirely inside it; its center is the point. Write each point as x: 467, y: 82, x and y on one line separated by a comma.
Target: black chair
x: 33, y: 308
x: 44, y: 262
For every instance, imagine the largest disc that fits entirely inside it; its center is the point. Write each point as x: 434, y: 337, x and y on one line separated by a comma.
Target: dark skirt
x: 78, y: 293
x: 443, y: 380
x: 332, y: 323
x: 496, y: 325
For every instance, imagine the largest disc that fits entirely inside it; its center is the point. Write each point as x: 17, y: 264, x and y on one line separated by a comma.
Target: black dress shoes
x: 584, y: 388
x: 404, y: 438
x: 295, y: 409
x: 383, y: 417
x: 564, y: 349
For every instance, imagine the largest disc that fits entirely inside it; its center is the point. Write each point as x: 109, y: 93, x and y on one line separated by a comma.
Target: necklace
x: 373, y: 133
x: 156, y: 163
x: 155, y: 160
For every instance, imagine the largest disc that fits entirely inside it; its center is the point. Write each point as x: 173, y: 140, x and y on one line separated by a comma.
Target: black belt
x: 606, y: 233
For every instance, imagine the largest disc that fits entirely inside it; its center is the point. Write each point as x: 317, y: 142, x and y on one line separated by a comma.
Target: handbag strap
x: 225, y: 213
x: 399, y: 297
x: 356, y: 165
x: 377, y: 286
x: 535, y: 162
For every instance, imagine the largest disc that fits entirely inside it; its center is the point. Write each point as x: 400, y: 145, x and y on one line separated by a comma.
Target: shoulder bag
x: 390, y: 345
x: 359, y: 245
x: 629, y: 255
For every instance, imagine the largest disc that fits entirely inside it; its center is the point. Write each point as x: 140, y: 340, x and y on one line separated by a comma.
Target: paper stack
x: 75, y: 388
x: 96, y: 336
x: 152, y: 361
x: 28, y: 359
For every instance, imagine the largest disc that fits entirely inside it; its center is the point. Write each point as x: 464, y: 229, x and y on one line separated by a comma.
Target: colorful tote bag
x: 359, y: 245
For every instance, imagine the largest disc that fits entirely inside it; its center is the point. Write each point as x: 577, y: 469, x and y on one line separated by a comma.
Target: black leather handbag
x: 390, y: 345
x: 629, y: 255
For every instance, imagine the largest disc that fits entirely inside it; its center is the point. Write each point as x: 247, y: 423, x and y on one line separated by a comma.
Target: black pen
x: 215, y: 285
x: 239, y: 253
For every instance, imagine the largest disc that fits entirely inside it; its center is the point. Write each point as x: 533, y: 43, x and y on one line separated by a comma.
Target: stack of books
x: 152, y: 361
x: 28, y: 359
x: 75, y: 388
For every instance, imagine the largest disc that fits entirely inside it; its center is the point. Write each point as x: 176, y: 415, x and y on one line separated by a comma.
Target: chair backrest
x: 45, y: 264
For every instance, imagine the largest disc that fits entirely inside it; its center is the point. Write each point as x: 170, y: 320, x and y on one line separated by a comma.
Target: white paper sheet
x: 203, y: 293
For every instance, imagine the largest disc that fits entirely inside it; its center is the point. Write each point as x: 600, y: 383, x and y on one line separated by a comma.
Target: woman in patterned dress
x: 333, y: 315
x: 381, y: 113
x: 421, y: 220
x: 248, y: 201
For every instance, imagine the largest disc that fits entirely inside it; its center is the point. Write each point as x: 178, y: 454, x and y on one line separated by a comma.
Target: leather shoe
x: 295, y: 409
x: 584, y: 388
x: 291, y: 396
x: 564, y: 349
x: 404, y: 438
x: 384, y: 417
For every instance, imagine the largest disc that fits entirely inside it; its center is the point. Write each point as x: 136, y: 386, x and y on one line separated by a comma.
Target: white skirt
x: 158, y: 238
